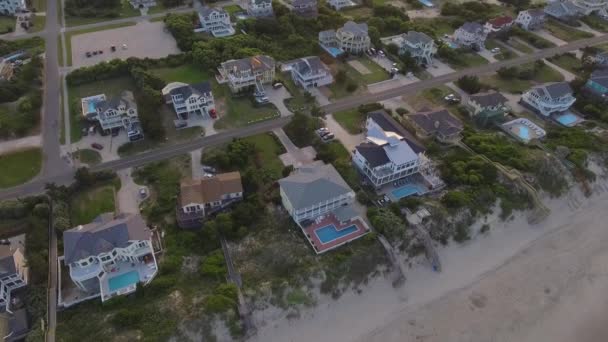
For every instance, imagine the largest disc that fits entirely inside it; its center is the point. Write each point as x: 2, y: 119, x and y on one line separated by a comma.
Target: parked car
x: 100, y: 52
x: 213, y: 114
x: 92, y: 130
x: 88, y: 54
x: 451, y: 98
x: 328, y: 137
x: 495, y: 50
x: 115, y: 132
x: 97, y: 146
x: 322, y: 129
x: 277, y: 85
x: 143, y: 192
x: 113, y: 48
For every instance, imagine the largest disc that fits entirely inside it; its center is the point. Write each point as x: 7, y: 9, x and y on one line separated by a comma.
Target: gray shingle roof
x: 303, y: 3
x: 115, y: 101
x: 262, y: 62
x: 472, y: 27
x: 389, y: 124
x: 415, y: 37
x: 310, y: 185
x: 207, y: 11
x: 102, y: 235
x: 440, y: 121
x: 490, y: 99
x: 202, y: 88
x: 600, y: 77
x: 354, y: 28
x: 561, y: 9
x: 374, y: 154
x: 553, y: 90
x: 310, y: 65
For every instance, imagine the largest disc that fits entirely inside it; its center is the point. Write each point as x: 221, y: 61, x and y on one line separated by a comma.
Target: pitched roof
x: 209, y: 189
x: 125, y: 98
x: 600, y: 77
x: 489, y: 99
x: 202, y: 88
x: 354, y: 28
x: 553, y: 90
x: 261, y: 62
x: 415, y: 37
x: 310, y: 65
x: 561, y: 9
x: 310, y: 185
x: 207, y: 11
x: 499, y: 22
x: 303, y: 3
x: 327, y: 34
x: 389, y: 124
x: 374, y: 154
x: 536, y: 12
x: 103, y: 234
x: 472, y: 27
x: 440, y: 121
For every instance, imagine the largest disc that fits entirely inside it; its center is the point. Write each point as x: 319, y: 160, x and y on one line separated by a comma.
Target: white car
x: 495, y: 50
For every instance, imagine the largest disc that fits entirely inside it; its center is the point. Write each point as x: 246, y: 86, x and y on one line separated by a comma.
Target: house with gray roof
x: 549, y: 98
x: 260, y: 8
x: 563, y: 10
x: 352, y: 38
x: 597, y: 84
x: 109, y: 256
x: 14, y: 272
x: 438, y: 124
x: 418, y: 44
x: 310, y: 72
x: 190, y: 99
x: 305, y: 8
x: 389, y: 151
x: 314, y: 190
x: 471, y: 35
x: 487, y: 107
x: 117, y: 112
x: 215, y: 21
x: 530, y: 20
x: 588, y: 7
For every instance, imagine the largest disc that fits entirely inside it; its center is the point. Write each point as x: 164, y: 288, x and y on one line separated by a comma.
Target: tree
x: 389, y: 224
x: 214, y: 265
x: 470, y: 84
x: 455, y: 199
x: 507, y: 73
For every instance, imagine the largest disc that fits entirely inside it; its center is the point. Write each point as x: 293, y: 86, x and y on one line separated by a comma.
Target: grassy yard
x: 564, y: 32
x: 112, y: 87
x: 504, y: 52
x: 441, y: 26
x: 39, y: 21
x: 519, y: 46
x: 185, y: 73
x: 350, y: 120
x: 268, y: 149
x: 568, y: 62
x: 515, y: 85
x: 532, y: 39
x: 232, y: 9
x: 240, y: 111
x: 87, y: 156
x: 19, y: 167
x: 546, y: 74
x: 377, y: 74
x: 7, y: 24
x: 126, y: 11
x: 39, y: 5
x: 87, y: 205
x: 596, y: 23
x: 467, y: 59
x: 358, y: 12
x: 70, y: 34
x: 430, y: 98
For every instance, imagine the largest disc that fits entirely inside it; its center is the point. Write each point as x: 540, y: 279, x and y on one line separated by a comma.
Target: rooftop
x: 440, y: 121
x: 489, y: 99
x: 209, y: 189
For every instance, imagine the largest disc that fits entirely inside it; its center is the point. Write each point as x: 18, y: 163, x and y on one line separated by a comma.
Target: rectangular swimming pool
x: 426, y: 3
x: 567, y: 119
x: 123, y: 280
x: 408, y: 190
x: 330, y: 233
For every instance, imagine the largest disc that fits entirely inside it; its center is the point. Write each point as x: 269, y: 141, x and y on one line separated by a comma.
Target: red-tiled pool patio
x: 330, y: 219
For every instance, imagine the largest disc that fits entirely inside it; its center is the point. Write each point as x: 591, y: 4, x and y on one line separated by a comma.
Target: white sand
x: 511, y: 285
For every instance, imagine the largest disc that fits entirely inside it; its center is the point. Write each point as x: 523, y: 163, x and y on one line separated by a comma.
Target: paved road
x: 52, y: 286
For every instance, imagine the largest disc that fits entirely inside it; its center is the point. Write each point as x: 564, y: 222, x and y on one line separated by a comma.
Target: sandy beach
x: 546, y: 282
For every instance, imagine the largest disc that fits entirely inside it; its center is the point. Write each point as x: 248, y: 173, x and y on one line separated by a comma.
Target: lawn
x: 564, y: 32
x: 126, y: 11
x: 19, y: 167
x: 514, y: 85
x: 596, y: 23
x: 38, y: 5
x: 569, y: 62
x: 546, y: 74
x: 430, y: 98
x: 70, y: 34
x: 39, y: 22
x: 532, y: 39
x: 240, y: 111
x: 441, y: 26
x: 186, y: 73
x: 7, y: 24
x: 466, y: 59
x: 111, y: 87
x: 87, y: 156
x: 87, y: 205
x: 358, y: 12
x: 350, y: 120
x: 268, y: 149
x: 377, y: 74
x: 519, y: 46
x: 232, y: 9
x: 504, y: 52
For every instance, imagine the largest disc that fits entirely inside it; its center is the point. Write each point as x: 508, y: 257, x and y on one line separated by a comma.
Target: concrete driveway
x: 568, y: 76
x: 439, y: 68
x: 485, y: 53
x: 294, y: 156
x: 321, y: 98
x: 277, y: 98
x: 19, y: 144
x: 128, y: 195
x: 110, y: 145
x: 350, y: 141
x: 548, y: 36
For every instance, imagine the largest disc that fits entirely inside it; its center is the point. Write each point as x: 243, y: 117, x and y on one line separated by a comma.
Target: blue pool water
x: 567, y: 119
x: 335, y: 52
x: 330, y: 233
x: 426, y: 3
x: 91, y: 106
x: 408, y: 190
x: 123, y: 280
x: 524, y: 132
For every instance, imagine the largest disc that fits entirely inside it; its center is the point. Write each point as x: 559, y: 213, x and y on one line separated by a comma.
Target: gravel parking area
x: 146, y: 39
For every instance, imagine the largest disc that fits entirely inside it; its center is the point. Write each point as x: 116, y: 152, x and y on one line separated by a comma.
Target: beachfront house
x: 499, y: 25
x: 14, y: 272
x: 351, y: 37
x: 11, y: 7
x: 247, y: 73
x: 199, y: 198
x: 110, y: 256
x: 310, y: 72
x: 305, y: 8
x: 115, y: 113
x: 142, y: 4
x: 597, y: 84
x: 549, y: 98
x: 388, y: 153
x: 471, y: 35
x: 438, y: 124
x: 419, y: 45
x: 599, y: 60
x: 588, y: 7
x: 565, y: 11
x: 215, y: 21
x: 530, y: 20
x: 15, y: 325
x: 320, y: 202
x: 190, y: 99
x: 487, y: 107
x: 340, y: 4
x: 260, y: 8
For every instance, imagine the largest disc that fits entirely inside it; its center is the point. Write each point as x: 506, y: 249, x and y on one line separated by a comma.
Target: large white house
x: 417, y: 44
x: 14, y: 273
x: 10, y: 7
x: 471, y: 35
x: 305, y: 8
x: 591, y: 6
x: 531, y: 19
x: 549, y: 98
x: 340, y: 4
x: 351, y: 37
x: 215, y: 21
x: 389, y: 152
x: 110, y: 256
x: 241, y: 74
x: 187, y: 100
x: 115, y: 113
x: 260, y: 8
x: 310, y: 72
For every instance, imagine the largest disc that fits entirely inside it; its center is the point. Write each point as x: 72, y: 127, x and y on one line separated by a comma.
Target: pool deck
x: 145, y: 271
x: 330, y: 219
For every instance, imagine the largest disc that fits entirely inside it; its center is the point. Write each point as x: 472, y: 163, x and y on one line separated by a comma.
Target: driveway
x: 397, y: 102
x: 294, y: 156
x: 277, y: 97
x: 584, y: 27
x: 110, y: 145
x: 548, y: 36
x: 19, y: 144
x: 464, y: 97
x: 439, y: 68
x: 568, y: 76
x: 195, y: 163
x: 350, y: 141
x: 128, y: 195
x: 487, y: 55
x: 322, y: 100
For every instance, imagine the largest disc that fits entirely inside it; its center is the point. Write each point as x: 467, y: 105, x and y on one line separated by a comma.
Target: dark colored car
x: 213, y: 114
x: 97, y: 146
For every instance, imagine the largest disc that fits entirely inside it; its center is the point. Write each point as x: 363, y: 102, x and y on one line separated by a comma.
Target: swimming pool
x: 567, y: 119
x: 334, y: 51
x: 524, y: 132
x: 123, y: 280
x: 426, y: 3
x: 330, y: 233
x: 408, y: 190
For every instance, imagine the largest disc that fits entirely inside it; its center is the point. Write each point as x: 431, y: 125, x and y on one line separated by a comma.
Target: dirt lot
x: 146, y: 39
